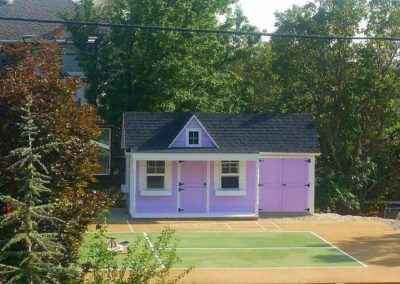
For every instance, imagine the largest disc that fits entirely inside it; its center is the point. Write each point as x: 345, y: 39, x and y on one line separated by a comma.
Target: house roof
x: 234, y: 133
x: 37, y: 9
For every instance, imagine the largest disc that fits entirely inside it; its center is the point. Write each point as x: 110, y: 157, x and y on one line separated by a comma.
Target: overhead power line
x: 200, y: 30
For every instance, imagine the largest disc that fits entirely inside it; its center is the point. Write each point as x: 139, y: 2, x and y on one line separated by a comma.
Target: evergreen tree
x: 33, y: 250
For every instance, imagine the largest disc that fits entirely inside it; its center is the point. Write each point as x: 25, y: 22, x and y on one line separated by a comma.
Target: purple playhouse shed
x: 218, y: 165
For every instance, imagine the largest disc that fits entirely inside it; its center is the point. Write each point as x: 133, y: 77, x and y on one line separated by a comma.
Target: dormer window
x: 193, y: 138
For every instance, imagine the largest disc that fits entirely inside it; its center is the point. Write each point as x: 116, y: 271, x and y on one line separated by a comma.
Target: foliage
x: 145, y: 260
x: 33, y: 70
x: 31, y: 253
x: 352, y: 89
x: 158, y: 71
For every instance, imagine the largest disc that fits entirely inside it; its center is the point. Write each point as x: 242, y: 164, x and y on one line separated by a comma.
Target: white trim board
x: 198, y: 215
x: 201, y: 126
x: 194, y: 156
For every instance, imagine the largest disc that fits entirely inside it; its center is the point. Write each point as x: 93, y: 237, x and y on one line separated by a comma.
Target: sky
x: 261, y: 12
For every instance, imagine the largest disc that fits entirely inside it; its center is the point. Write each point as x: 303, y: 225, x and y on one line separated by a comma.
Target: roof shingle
x: 234, y: 133
x: 35, y: 9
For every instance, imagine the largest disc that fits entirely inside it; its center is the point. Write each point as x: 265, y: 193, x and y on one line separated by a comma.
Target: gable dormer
x: 193, y: 135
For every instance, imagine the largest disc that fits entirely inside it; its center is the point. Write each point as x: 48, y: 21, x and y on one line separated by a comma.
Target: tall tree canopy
x: 352, y: 88
x: 140, y: 70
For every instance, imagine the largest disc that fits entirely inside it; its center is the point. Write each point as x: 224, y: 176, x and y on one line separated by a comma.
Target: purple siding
x: 235, y: 204
x: 284, y: 185
x: 157, y: 204
x: 205, y: 139
x: 193, y: 194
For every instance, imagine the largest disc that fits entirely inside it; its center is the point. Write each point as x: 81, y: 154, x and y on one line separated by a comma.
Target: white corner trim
x: 208, y: 181
x: 132, y: 187
x: 184, y: 127
x: 151, y: 192
x: 198, y: 130
x: 227, y: 192
x: 257, y: 205
x: 311, y: 180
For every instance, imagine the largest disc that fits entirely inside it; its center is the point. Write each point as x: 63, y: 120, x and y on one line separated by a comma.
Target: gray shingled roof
x: 234, y: 133
x: 38, y: 9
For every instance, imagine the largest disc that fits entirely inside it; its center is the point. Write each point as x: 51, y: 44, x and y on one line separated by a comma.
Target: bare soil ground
x: 373, y: 241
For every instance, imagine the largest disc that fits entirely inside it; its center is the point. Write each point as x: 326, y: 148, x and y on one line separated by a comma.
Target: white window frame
x: 188, y: 130
x: 219, y: 191
x: 145, y: 190
x: 105, y: 147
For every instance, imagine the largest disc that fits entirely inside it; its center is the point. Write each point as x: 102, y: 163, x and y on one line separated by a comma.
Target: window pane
x: 193, y: 137
x: 155, y: 182
x: 155, y: 167
x: 104, y: 161
x: 230, y: 182
x: 230, y: 167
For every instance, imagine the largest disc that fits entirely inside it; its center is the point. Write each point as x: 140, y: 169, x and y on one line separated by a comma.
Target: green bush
x: 144, y: 261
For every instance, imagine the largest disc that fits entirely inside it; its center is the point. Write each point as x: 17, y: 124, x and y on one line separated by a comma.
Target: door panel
x: 295, y: 172
x: 193, y: 188
x: 283, y: 185
x: 294, y: 182
x: 270, y: 185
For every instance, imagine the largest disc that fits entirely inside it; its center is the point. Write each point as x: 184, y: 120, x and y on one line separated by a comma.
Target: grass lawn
x: 252, y: 249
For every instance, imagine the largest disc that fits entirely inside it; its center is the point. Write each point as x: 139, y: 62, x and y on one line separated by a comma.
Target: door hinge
x: 180, y: 209
x: 283, y: 184
x: 205, y: 184
x: 180, y: 162
x: 180, y: 189
x: 308, y: 185
x: 180, y: 183
x: 260, y: 184
x: 308, y: 160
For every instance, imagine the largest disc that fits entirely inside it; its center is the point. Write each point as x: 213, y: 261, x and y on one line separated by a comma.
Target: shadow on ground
x: 382, y: 250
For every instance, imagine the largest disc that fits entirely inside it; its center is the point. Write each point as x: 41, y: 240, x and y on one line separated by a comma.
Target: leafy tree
x: 351, y: 87
x: 160, y: 71
x: 33, y: 70
x: 31, y: 253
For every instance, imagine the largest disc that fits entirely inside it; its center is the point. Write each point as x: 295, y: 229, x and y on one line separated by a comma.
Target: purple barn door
x: 295, y: 185
x: 283, y: 185
x: 270, y: 185
x: 192, y: 192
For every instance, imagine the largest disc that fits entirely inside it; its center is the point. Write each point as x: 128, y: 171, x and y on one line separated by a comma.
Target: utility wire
x: 199, y: 30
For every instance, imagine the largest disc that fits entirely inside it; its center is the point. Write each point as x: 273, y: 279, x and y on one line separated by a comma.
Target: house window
x: 155, y: 171
x: 193, y: 137
x: 230, y: 175
x: 104, y: 155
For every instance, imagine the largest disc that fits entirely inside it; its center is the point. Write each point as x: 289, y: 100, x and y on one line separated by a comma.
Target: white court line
x: 130, y: 226
x: 257, y: 248
x: 275, y: 225
x: 261, y: 226
x: 345, y: 253
x: 219, y: 231
x: 271, y: 268
x: 146, y: 236
x: 228, y: 226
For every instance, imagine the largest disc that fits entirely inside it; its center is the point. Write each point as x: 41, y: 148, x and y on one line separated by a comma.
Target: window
x: 155, y: 171
x: 104, y: 146
x: 230, y: 175
x: 193, y: 137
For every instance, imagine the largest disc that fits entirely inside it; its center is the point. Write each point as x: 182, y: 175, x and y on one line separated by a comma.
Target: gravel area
x: 333, y: 217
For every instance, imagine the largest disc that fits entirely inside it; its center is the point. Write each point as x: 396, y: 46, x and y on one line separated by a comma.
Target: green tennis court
x: 254, y: 249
